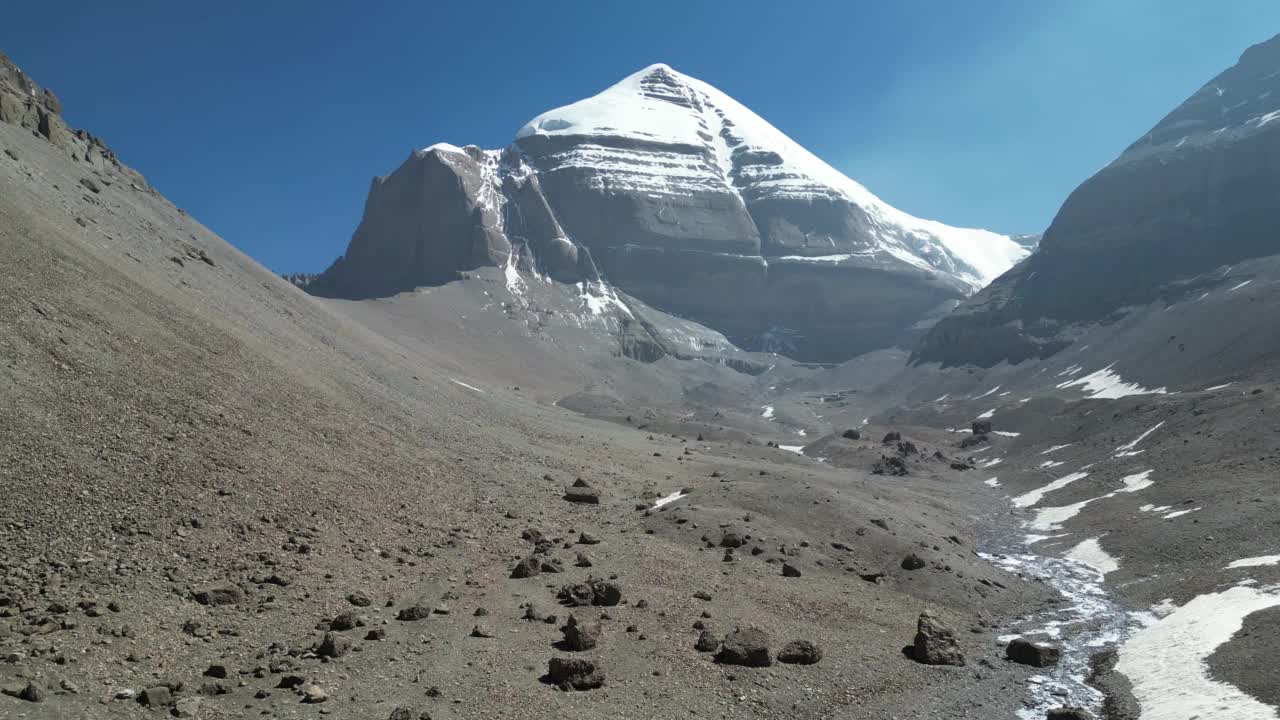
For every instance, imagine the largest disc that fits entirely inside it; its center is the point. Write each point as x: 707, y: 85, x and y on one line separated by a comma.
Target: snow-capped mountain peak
x: 661, y: 112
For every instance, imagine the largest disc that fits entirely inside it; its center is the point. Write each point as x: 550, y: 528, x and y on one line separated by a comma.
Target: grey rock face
x: 26, y: 104
x: 682, y: 199
x: 1194, y: 194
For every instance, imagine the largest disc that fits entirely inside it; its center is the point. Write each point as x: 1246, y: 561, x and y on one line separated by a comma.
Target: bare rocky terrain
x: 506, y: 496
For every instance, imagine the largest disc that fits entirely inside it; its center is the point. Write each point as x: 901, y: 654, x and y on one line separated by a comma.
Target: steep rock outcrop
x: 26, y: 104
x: 1196, y: 193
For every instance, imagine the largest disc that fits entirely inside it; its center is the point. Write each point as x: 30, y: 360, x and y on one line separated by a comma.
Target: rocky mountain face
x: 681, y: 197
x: 26, y: 104
x: 1195, y: 195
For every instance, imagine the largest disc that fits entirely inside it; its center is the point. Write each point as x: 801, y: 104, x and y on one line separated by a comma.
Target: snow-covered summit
x: 643, y: 126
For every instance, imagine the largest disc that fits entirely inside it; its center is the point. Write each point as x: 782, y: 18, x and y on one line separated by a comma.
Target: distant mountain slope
x: 1164, y: 221
x: 686, y: 199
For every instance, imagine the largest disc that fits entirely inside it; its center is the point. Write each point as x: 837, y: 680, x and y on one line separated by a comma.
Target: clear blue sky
x: 266, y: 120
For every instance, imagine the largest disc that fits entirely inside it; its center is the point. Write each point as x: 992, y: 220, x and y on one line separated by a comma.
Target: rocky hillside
x: 682, y: 197
x: 1187, y: 204
x: 31, y: 107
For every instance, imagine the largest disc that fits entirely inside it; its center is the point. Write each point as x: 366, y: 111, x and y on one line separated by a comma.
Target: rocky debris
x: 159, y: 696
x: 935, y: 642
x: 582, y: 492
x: 731, y: 540
x: 314, y: 695
x: 1068, y: 714
x: 591, y: 592
x: 891, y: 437
x: 376, y: 635
x: 706, y: 642
x: 961, y: 464
x: 344, y: 621
x: 981, y: 427
x: 580, y: 636
x: 414, y: 612
x: 187, y: 707
x: 890, y: 465
x: 526, y: 568
x: 480, y: 631
x: 747, y: 646
x: 574, y: 673
x: 789, y: 570
x: 851, y: 434
x: 906, y: 447
x: 973, y: 440
x: 582, y: 560
x: 359, y: 599
x: 1025, y: 652
x: 215, y: 594
x: 800, y: 652
x: 32, y: 691
x: 912, y: 562
x: 541, y: 543
x: 586, y: 538
x: 332, y: 646
x: 551, y: 565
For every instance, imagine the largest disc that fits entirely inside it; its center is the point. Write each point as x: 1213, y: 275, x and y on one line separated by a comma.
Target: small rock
x: 789, y: 570
x: 581, y: 636
x: 1068, y: 714
x: 314, y: 695
x: 216, y: 594
x: 746, y: 646
x: 574, y: 674
x: 158, y: 696
x: 344, y: 621
x: 332, y: 646
x: 187, y: 707
x: 981, y: 427
x: 800, y: 652
x: 1025, y: 652
x: 216, y: 671
x: 413, y: 613
x: 912, y: 562
x: 359, y: 599
x: 588, y: 539
x: 480, y: 631
x: 706, y: 642
x: 851, y: 434
x: 526, y: 568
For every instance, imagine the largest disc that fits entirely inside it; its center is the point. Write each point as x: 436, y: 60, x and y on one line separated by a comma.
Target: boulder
x: 574, y: 673
x: 580, y: 636
x: 1025, y: 652
x: 800, y: 652
x: 526, y: 568
x: 935, y: 642
x: 851, y: 434
x: 220, y: 593
x: 981, y: 427
x: 747, y: 646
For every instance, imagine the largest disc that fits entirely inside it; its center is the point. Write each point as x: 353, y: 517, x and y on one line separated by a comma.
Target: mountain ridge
x: 680, y: 196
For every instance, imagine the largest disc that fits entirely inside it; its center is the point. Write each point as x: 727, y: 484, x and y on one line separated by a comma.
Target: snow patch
x: 768, y: 412
x: 1090, y: 553
x: 1035, y: 496
x: 1178, y: 513
x: 469, y: 387
x: 993, y: 482
x: 1055, y: 448
x: 987, y: 414
x: 1166, y: 662
x: 1254, y: 562
x: 668, y: 499
x: 1006, y: 433
x: 1106, y: 385
x: 1127, y: 450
